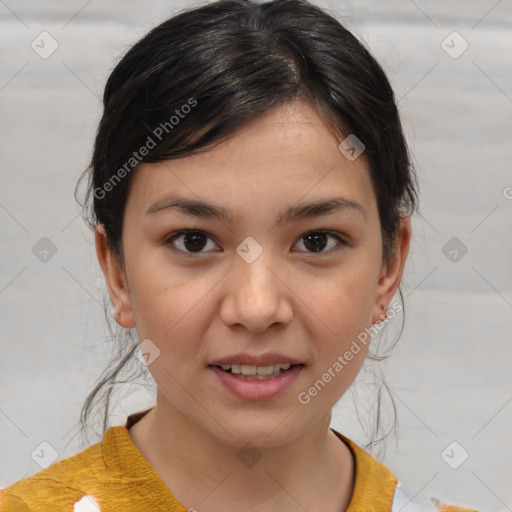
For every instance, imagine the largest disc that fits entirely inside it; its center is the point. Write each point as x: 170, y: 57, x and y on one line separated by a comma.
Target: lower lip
x: 257, y: 389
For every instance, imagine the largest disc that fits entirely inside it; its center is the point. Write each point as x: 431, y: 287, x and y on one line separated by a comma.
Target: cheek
x: 342, y: 299
x: 169, y: 306
x: 340, y: 306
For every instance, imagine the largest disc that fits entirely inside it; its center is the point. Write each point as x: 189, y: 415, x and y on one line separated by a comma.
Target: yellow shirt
x: 116, y: 474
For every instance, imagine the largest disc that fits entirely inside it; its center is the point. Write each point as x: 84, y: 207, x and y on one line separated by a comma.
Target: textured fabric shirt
x: 119, y: 478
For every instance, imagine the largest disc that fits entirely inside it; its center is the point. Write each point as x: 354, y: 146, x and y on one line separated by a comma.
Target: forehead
x: 287, y: 155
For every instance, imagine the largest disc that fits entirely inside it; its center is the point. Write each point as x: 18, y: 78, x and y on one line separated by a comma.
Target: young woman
x: 251, y: 194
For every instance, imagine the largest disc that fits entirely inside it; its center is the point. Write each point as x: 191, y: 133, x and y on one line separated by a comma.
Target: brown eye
x: 316, y: 241
x: 194, y: 241
x: 189, y: 242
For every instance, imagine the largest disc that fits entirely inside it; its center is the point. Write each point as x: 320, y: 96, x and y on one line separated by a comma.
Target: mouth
x: 256, y: 383
x: 250, y: 372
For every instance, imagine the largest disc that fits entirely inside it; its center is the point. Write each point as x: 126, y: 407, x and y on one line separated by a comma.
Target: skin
x: 292, y: 300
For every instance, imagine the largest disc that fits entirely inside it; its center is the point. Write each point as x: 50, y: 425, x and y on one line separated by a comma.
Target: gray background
x: 450, y: 373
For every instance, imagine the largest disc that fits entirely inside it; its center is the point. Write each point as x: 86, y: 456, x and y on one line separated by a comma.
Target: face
x: 253, y: 278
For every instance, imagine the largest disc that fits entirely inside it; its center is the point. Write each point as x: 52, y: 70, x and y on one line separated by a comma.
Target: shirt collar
x: 374, y: 485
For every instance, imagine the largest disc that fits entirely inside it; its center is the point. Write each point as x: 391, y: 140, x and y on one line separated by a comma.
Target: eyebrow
x: 205, y: 209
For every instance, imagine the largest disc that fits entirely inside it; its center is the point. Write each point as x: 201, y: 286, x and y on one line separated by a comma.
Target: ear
x: 391, y: 273
x: 115, y: 279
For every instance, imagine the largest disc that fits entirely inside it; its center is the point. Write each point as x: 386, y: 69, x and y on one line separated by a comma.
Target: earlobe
x: 115, y: 279
x: 392, y: 271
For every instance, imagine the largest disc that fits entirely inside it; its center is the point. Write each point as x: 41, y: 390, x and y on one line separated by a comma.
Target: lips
x: 256, y: 387
x: 256, y: 376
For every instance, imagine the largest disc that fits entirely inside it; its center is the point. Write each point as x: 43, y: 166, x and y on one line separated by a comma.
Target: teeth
x: 263, y: 370
x: 249, y: 370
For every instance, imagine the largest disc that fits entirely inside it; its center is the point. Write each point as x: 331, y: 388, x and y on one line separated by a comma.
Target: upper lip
x: 255, y: 360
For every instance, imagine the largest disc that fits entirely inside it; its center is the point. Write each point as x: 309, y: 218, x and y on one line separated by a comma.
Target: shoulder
x: 114, y: 473
x: 377, y: 488
x: 60, y: 485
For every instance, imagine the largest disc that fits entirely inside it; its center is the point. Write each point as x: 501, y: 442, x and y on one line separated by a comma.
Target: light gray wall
x: 450, y: 373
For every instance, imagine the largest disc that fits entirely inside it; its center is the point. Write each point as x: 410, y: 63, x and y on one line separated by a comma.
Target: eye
x: 315, y: 241
x: 190, y: 242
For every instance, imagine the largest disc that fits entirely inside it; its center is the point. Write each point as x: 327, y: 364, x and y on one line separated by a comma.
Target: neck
x: 313, y: 472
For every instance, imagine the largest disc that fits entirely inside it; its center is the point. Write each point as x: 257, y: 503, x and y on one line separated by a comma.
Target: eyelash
x: 342, y: 243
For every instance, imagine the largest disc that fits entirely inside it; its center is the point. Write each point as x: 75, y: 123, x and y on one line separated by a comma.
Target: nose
x: 256, y: 295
